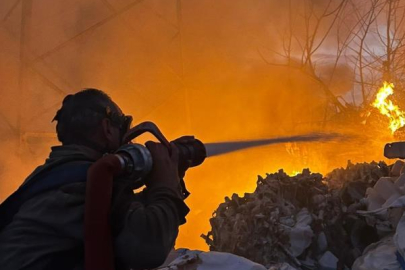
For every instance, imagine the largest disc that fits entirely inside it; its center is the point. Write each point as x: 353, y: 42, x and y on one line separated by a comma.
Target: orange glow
x: 388, y: 108
x: 207, y: 80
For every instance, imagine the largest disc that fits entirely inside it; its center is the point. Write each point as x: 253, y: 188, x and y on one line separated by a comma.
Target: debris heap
x: 307, y: 221
x: 365, y: 172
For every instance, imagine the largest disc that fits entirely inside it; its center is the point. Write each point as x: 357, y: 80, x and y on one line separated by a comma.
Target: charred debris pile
x: 309, y: 221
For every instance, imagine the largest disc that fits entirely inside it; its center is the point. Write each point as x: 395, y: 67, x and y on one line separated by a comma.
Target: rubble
x: 379, y: 255
x: 328, y: 261
x: 309, y: 221
x: 258, y: 225
x: 199, y: 260
x: 361, y: 172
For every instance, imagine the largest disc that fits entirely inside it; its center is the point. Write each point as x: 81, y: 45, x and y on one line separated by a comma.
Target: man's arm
x: 150, y: 227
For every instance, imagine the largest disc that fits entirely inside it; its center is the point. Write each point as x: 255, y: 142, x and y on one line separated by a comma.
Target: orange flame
x: 387, y: 108
x: 294, y: 173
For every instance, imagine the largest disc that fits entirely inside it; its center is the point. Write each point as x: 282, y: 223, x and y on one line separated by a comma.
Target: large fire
x: 388, y: 108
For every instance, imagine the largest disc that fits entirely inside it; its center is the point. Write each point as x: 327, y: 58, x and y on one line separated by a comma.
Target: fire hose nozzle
x: 191, y: 153
x: 136, y: 160
x: 395, y: 150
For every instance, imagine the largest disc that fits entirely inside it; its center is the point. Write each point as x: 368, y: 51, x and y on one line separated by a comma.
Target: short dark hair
x: 81, y: 115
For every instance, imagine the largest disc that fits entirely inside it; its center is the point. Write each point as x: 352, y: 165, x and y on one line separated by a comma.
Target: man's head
x: 91, y: 118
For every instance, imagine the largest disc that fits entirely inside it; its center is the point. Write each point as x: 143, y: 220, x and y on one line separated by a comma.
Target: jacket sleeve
x: 150, y: 228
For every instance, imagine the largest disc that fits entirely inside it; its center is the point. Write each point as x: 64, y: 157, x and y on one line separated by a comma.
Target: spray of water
x: 220, y: 148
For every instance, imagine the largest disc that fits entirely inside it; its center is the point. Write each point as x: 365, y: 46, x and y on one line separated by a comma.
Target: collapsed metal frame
x: 26, y: 64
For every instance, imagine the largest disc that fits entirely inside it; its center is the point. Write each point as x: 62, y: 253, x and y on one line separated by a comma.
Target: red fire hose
x: 97, y: 228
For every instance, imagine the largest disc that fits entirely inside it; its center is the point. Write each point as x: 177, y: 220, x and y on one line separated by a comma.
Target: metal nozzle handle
x: 146, y: 127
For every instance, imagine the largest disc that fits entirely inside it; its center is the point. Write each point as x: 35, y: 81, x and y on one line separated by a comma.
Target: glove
x: 165, y: 166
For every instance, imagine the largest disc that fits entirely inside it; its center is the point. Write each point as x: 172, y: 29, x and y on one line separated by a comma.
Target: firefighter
x: 41, y: 224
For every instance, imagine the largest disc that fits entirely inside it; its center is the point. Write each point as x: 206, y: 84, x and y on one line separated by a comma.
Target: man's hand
x: 165, y: 166
x: 184, y: 166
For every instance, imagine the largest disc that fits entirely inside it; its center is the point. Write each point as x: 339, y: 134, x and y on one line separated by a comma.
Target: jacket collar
x: 64, y: 154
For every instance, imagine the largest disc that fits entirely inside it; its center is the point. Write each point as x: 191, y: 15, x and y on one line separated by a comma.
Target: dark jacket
x: 48, y: 228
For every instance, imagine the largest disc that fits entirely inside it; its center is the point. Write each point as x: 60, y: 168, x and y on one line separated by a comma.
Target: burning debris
x: 313, y: 222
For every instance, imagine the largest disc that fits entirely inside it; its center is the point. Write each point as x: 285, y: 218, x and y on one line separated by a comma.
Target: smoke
x: 199, y: 72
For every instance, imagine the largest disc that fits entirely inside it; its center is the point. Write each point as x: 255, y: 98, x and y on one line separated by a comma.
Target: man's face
x: 115, y: 140
x: 120, y: 125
